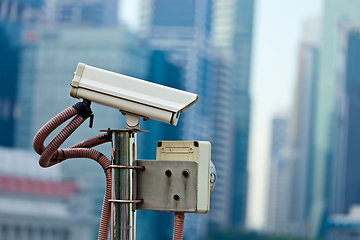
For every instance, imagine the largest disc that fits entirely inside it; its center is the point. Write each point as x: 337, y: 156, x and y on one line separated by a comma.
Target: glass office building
x: 232, y: 30
x: 182, y: 30
x: 335, y: 12
x: 344, y: 187
x: 12, y: 15
x: 302, y: 129
x: 210, y: 42
x: 279, y: 184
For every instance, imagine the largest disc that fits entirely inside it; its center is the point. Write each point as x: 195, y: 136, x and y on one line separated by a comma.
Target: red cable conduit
x: 178, y: 226
x: 51, y: 155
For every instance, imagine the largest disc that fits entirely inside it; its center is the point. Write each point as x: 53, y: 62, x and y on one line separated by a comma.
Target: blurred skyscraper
x: 301, y: 130
x: 232, y: 28
x: 279, y: 176
x: 344, y: 187
x: 182, y: 31
x: 292, y: 146
x: 220, y: 75
x: 335, y: 12
x: 12, y: 15
x: 222, y: 141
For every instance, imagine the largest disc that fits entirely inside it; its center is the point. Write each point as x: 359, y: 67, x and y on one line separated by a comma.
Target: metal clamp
x: 130, y: 168
x: 127, y: 167
x: 126, y: 201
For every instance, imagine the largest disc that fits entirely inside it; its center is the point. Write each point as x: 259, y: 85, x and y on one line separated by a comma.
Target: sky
x: 277, y: 34
x: 129, y: 13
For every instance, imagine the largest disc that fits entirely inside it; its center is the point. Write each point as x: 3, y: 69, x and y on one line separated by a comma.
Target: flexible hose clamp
x: 85, y: 111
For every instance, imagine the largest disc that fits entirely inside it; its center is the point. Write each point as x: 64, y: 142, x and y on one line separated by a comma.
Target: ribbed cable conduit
x: 51, y: 155
x: 178, y: 226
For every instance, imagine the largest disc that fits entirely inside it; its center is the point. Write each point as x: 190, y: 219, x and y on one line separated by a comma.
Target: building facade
x: 302, y: 128
x: 344, y: 191
x: 290, y: 182
x: 12, y: 15
x: 210, y: 42
x: 84, y: 12
x: 231, y: 34
x: 335, y: 11
x: 278, y: 189
x: 182, y: 30
x: 222, y: 141
x: 39, y: 204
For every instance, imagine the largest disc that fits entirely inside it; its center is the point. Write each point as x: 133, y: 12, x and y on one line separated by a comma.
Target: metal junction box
x: 179, y: 179
x: 197, y: 151
x: 169, y: 186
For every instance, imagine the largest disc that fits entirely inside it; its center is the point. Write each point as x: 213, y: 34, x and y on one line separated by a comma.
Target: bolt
x: 168, y: 173
x: 185, y: 173
x: 176, y: 197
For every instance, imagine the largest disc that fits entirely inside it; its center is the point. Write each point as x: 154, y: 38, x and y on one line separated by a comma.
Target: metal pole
x: 122, y: 214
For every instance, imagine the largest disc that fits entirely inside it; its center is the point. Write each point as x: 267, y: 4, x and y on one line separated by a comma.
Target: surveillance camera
x: 130, y: 95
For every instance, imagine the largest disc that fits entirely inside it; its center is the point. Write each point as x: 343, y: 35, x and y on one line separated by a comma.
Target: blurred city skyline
x: 276, y: 43
x: 194, y: 46
x: 277, y: 37
x: 279, y: 100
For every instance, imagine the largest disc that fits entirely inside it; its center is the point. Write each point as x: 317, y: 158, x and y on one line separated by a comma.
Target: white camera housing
x: 130, y: 95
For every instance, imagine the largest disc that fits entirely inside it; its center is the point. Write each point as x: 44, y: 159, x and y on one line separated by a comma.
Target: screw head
x: 185, y: 173
x: 176, y: 197
x: 168, y: 173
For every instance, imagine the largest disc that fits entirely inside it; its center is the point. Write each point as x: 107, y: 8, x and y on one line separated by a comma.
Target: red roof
x: 26, y: 186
